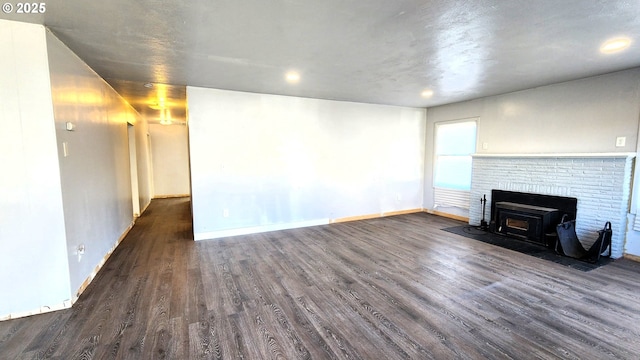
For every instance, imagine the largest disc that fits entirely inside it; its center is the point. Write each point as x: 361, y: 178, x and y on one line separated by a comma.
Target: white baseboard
x: 257, y: 229
x: 42, y: 310
x: 171, y: 196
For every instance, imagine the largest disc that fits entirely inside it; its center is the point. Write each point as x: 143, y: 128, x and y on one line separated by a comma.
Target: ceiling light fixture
x: 615, y: 45
x: 165, y: 117
x: 159, y: 105
x: 292, y: 77
x: 148, y: 85
x: 427, y: 93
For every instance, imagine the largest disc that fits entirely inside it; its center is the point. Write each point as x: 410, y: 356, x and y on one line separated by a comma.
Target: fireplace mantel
x: 558, y: 155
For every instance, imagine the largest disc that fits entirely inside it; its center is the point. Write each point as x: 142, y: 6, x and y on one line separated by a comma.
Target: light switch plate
x: 621, y: 141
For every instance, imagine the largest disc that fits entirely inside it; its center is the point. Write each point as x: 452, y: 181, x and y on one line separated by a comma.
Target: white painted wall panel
x: 170, y: 154
x: 96, y: 187
x: 280, y: 161
x: 33, y: 265
x: 632, y: 244
x: 143, y: 154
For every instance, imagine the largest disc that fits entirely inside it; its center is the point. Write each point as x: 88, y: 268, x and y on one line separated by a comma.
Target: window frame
x: 435, y: 149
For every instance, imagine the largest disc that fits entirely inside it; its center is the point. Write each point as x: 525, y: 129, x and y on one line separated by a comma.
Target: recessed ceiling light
x: 148, y: 85
x: 292, y: 77
x: 615, y: 45
x: 427, y: 93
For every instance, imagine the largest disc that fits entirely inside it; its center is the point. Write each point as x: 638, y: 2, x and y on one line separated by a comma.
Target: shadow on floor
x: 524, y: 247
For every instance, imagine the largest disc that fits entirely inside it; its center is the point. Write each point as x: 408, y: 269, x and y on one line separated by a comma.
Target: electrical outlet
x: 621, y: 141
x: 225, y: 213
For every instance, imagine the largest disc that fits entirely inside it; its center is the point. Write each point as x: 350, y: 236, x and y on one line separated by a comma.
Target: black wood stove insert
x: 530, y: 217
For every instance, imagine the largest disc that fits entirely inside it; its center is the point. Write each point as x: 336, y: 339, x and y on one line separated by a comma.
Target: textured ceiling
x: 374, y: 51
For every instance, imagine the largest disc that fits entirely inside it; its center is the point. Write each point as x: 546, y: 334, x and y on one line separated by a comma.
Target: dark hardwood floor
x: 390, y: 288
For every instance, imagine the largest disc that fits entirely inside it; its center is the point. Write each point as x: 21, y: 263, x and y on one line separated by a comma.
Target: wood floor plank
x: 388, y: 288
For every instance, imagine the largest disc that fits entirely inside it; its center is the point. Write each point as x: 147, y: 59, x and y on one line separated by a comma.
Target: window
x: 455, y: 142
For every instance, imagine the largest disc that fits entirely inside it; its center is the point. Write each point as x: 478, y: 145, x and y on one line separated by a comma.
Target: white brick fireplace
x: 600, y: 182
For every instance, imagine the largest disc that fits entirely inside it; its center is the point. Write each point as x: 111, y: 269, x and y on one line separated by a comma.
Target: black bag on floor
x: 601, y: 244
x: 571, y: 246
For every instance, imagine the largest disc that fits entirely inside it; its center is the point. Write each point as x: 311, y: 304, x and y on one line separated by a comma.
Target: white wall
x: 33, y: 263
x: 579, y: 116
x: 275, y: 161
x: 95, y: 174
x: 170, y: 154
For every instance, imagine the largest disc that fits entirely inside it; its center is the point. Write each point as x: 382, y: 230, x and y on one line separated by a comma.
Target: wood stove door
x: 520, y: 225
